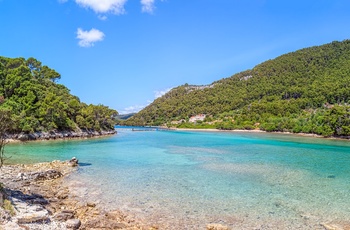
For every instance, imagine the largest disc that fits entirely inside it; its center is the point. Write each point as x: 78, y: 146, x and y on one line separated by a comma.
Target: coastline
x: 58, y: 135
x: 37, y: 196
x: 63, y: 203
x: 346, y: 138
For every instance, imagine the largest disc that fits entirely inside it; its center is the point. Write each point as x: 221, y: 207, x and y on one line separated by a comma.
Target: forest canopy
x: 304, y: 91
x: 30, y: 92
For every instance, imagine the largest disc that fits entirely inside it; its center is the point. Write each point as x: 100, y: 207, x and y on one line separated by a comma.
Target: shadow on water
x: 84, y: 164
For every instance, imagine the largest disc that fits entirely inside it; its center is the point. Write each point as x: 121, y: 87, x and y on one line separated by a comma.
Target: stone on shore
x: 73, y: 162
x: 90, y: 204
x: 30, y: 214
x: 73, y: 224
x: 41, y: 200
x: 53, y: 135
x: 46, y: 175
x: 336, y: 226
x: 64, y: 215
x: 217, y: 227
x: 4, y: 216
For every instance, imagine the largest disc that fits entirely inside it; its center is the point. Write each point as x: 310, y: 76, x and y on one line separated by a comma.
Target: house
x: 199, y: 117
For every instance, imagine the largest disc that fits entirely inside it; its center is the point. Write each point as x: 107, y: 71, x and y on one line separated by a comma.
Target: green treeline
x: 29, y: 91
x: 304, y: 91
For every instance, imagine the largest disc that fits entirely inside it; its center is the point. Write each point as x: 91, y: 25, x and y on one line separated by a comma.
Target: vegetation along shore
x: 32, y: 101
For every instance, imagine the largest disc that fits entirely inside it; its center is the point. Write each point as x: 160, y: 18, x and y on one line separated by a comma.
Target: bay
x: 187, y: 179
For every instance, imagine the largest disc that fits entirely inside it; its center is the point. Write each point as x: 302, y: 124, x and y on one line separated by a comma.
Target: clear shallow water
x: 185, y: 180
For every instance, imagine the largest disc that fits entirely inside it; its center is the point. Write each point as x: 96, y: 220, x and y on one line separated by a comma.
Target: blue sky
x: 124, y: 53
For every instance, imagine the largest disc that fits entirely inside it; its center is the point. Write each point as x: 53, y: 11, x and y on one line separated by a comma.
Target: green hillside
x: 303, y: 91
x: 124, y: 116
x: 29, y: 92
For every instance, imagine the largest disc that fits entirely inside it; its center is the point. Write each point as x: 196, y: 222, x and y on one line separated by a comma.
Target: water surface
x: 185, y: 180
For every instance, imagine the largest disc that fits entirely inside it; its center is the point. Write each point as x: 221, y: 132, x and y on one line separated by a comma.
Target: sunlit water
x: 186, y: 180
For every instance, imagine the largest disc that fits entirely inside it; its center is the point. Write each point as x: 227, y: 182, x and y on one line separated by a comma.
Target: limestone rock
x: 4, y: 216
x: 46, y: 175
x: 11, y: 226
x: 28, y: 213
x: 62, y: 194
x: 33, y: 216
x: 104, y: 223
x: 90, y: 204
x: 217, y: 227
x: 73, y: 162
x: 336, y: 226
x: 21, y: 176
x: 73, y: 224
x: 54, y: 134
x: 64, y: 215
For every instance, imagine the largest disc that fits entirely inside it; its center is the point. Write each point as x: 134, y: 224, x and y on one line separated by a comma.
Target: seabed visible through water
x: 186, y: 180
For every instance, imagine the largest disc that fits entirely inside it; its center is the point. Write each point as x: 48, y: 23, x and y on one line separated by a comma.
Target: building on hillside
x: 199, y: 117
x: 177, y: 122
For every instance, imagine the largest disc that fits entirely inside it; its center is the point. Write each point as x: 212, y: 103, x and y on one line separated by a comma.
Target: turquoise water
x: 186, y: 180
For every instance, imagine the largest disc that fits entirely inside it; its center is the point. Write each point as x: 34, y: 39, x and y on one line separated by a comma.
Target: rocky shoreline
x: 36, y: 197
x: 54, y: 135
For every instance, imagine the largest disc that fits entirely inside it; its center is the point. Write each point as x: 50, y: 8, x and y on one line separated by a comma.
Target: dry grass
x: 9, y: 207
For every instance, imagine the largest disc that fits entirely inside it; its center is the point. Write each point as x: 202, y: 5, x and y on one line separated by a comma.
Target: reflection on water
x: 185, y: 180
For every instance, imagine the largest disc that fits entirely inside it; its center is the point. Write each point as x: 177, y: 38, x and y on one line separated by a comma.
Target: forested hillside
x: 29, y: 92
x: 303, y: 91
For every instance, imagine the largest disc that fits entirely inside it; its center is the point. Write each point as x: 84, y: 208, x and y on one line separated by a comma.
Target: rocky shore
x: 53, y: 135
x: 36, y: 197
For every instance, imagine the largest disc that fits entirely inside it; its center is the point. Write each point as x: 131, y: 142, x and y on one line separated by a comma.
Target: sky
x: 126, y: 53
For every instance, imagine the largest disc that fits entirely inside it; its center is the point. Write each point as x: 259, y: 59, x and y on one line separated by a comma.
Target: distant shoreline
x: 347, y: 138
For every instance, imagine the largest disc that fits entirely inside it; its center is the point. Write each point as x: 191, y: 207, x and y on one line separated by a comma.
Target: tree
x: 5, y: 125
x: 48, y: 73
x: 37, y: 103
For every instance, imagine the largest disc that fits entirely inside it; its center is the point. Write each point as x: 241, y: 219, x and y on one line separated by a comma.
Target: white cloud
x: 104, y: 6
x: 137, y: 108
x: 62, y: 1
x: 147, y: 6
x: 88, y: 38
x: 102, y: 17
x: 132, y: 109
x: 159, y: 93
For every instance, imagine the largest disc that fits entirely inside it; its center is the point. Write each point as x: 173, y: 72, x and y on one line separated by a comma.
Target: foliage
x: 38, y: 103
x: 303, y: 91
x: 9, y: 207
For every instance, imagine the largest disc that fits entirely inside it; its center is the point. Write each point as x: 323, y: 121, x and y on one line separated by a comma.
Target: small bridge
x: 145, y: 129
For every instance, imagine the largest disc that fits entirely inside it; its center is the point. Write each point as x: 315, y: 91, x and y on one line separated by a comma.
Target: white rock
x: 30, y: 217
x: 73, y: 223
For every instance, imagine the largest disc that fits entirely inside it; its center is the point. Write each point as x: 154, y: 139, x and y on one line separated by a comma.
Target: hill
x: 34, y: 101
x: 304, y: 91
x: 124, y: 116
